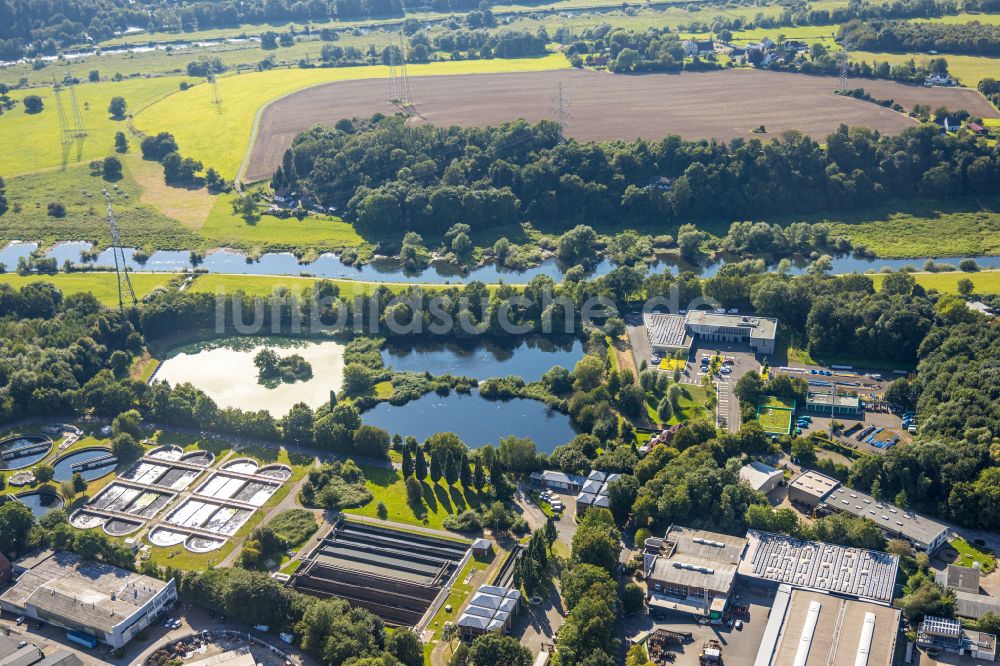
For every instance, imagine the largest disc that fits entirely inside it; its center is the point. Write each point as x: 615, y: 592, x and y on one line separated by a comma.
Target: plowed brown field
x: 695, y: 105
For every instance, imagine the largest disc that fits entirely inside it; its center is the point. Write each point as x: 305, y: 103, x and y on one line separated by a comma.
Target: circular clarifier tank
x: 24, y: 450
x: 90, y: 463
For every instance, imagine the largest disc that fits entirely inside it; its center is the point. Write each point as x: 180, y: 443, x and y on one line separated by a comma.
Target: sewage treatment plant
x: 201, y: 519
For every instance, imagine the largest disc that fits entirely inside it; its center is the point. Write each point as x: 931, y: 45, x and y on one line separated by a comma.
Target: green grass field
x: 440, y: 500
x: 775, y: 415
x: 141, y: 223
x: 221, y: 138
x: 984, y: 282
x: 41, y: 131
x: 102, y: 285
x: 969, y: 70
x: 901, y: 229
x: 223, y: 228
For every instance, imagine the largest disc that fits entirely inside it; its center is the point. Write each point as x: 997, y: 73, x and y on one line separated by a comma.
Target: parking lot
x: 739, y: 646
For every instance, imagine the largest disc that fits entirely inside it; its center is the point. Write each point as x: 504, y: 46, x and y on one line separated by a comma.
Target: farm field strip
x: 694, y: 105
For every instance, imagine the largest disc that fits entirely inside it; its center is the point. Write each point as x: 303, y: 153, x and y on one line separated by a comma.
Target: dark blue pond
x: 475, y: 420
x: 528, y: 358
x: 77, y: 462
x: 40, y: 503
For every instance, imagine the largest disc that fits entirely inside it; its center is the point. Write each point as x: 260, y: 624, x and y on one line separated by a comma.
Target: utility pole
x: 121, y: 270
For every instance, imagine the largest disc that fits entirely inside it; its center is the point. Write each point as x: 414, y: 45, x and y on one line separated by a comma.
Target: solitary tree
x: 117, y: 107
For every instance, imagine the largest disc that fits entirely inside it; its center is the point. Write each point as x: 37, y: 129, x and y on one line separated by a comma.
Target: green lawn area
x: 440, y: 500
x: 984, y: 282
x: 220, y: 139
x: 691, y: 405
x: 223, y: 228
x: 968, y: 554
x: 103, y: 285
x: 775, y: 415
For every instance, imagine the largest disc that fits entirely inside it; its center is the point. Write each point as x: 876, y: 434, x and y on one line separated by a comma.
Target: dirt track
x: 724, y: 105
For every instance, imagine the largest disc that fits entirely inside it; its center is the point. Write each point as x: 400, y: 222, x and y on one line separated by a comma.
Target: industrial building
x: 30, y: 655
x: 94, y: 602
x: 846, y: 406
x: 492, y: 608
x: 394, y: 574
x: 762, y: 478
x: 808, y: 628
x: 692, y: 571
x: 808, y: 489
x: 924, y: 533
x: 949, y: 635
x: 594, y: 491
x: 772, y: 560
x: 963, y: 582
x: 670, y: 332
x: 812, y: 490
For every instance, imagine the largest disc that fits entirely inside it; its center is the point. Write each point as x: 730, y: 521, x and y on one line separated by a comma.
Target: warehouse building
x: 924, y: 533
x: 772, y: 560
x: 762, y: 478
x: 94, y: 602
x: 692, y: 571
x: 814, y: 629
x: 812, y: 490
x: 671, y: 332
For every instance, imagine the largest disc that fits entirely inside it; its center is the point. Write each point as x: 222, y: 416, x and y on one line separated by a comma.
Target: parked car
x: 20, y: 620
x: 739, y: 625
x: 288, y: 638
x: 261, y: 627
x: 726, y: 370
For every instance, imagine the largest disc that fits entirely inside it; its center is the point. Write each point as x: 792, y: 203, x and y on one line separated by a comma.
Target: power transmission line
x: 216, y: 97
x: 121, y: 269
x: 843, y: 62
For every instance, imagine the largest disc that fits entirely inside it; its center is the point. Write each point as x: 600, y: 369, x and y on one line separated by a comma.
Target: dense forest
x: 972, y: 38
x: 393, y: 178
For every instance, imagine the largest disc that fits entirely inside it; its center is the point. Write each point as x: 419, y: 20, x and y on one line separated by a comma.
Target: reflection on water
x: 224, y: 370
x: 329, y: 265
x: 40, y: 503
x: 528, y: 358
x: 475, y: 420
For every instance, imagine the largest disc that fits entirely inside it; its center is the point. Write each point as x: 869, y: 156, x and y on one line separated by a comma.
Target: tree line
x: 392, y: 176
x: 973, y: 38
